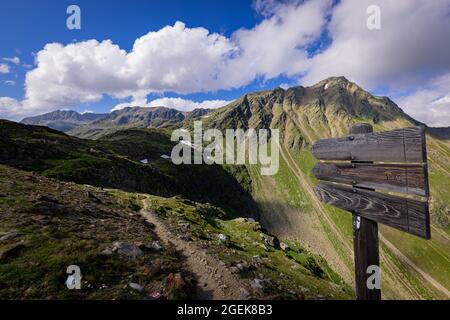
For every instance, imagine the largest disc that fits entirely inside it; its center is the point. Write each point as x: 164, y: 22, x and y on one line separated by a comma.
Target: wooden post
x: 397, y: 150
x: 365, y: 241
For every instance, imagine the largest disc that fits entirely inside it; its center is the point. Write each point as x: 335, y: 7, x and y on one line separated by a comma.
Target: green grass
x: 306, y: 274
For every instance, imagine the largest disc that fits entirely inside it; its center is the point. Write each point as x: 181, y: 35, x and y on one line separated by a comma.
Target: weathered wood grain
x: 365, y: 243
x: 401, y: 145
x: 405, y: 214
x: 407, y: 178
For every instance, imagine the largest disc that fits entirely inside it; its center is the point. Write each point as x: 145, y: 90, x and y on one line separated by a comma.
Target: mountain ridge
x: 63, y: 120
x: 96, y: 125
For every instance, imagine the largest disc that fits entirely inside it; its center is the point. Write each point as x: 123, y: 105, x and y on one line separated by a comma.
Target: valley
x: 224, y: 231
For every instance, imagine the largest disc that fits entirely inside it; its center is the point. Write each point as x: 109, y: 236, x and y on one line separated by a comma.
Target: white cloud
x: 175, y: 58
x: 175, y: 103
x: 443, y: 100
x: 87, y: 111
x: 276, y: 46
x: 425, y: 107
x: 411, y: 47
x: 187, y: 105
x: 10, y: 82
x: 15, y: 60
x: 121, y: 106
x: 410, y: 51
x: 9, y: 107
x: 4, y: 68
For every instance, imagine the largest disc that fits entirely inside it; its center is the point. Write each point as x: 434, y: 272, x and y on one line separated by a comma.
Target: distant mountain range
x: 63, y: 120
x: 356, y: 103
x: 91, y: 125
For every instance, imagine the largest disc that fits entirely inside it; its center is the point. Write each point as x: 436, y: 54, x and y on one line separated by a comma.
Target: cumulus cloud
x: 278, y: 45
x: 176, y: 103
x: 410, y: 51
x: 412, y: 44
x: 15, y: 60
x: 174, y: 59
x: 9, y: 107
x: 430, y: 105
x: 4, y: 68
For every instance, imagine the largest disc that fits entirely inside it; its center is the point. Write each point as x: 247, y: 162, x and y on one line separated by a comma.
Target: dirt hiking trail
x: 214, y: 279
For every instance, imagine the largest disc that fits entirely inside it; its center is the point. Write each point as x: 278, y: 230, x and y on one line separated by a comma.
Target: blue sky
x: 218, y: 51
x: 36, y: 23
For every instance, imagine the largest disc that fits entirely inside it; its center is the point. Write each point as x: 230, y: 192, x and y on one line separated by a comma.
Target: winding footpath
x: 214, y: 279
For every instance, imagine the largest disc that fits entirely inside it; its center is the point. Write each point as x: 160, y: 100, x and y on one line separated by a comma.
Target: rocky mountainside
x: 414, y: 268
x: 63, y: 120
x: 136, y: 117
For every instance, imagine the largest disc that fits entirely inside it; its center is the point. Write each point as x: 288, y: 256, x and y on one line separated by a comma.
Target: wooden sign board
x: 378, y: 165
x: 405, y: 214
x: 402, y: 145
x: 401, y: 178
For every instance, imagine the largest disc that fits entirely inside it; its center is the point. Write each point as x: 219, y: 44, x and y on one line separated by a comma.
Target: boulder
x: 185, y: 237
x: 269, y: 240
x: 12, y: 251
x: 242, y: 267
x: 156, y: 246
x: 284, y: 247
x: 257, y: 284
x: 257, y: 260
x: 136, y: 286
x: 223, y: 239
x: 10, y: 235
x: 184, y: 226
x: 106, y: 252
x: 127, y: 249
x: 243, y: 294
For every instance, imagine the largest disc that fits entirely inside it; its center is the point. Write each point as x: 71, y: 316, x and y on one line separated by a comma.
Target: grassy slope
x: 400, y: 280
x: 294, y: 274
x: 88, y: 221
x: 76, y: 237
x: 114, y: 162
x: 91, y: 219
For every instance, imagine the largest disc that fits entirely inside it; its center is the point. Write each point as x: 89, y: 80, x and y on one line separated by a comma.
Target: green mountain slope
x: 413, y: 268
x: 49, y: 224
x: 115, y: 162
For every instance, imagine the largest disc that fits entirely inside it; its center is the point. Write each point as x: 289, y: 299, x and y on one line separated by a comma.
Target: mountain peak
x: 340, y: 81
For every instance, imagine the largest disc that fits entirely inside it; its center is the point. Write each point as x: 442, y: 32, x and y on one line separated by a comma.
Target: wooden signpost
x: 365, y: 188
